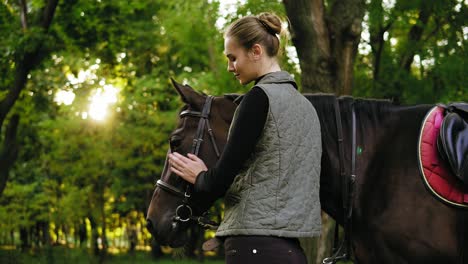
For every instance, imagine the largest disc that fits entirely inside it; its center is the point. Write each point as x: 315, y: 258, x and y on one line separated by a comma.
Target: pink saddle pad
x: 435, y: 173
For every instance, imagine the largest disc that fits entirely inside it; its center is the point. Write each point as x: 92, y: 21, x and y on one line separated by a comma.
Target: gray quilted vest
x: 277, y: 191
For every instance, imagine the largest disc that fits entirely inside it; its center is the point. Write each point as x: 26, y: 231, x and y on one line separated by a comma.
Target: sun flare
x: 101, y: 100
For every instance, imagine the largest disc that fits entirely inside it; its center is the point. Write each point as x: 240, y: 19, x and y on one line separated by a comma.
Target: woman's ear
x: 257, y: 51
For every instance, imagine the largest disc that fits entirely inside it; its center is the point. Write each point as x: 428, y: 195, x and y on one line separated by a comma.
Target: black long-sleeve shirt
x: 244, y: 135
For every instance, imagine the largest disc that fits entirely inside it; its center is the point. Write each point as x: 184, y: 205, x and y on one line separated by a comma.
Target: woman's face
x: 241, y: 62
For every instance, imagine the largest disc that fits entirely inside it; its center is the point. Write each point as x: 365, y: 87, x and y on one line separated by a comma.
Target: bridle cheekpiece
x: 184, y: 212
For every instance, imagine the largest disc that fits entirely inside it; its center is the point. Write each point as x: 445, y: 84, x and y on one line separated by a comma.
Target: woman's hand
x: 186, y: 167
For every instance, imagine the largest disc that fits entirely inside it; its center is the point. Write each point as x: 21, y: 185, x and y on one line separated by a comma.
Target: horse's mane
x: 371, y: 109
x: 374, y: 110
x: 364, y: 104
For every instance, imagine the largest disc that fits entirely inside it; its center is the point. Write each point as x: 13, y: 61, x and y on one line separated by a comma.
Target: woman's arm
x: 244, y: 135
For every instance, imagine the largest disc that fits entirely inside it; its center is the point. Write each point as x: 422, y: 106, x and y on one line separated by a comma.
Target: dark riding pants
x: 263, y: 249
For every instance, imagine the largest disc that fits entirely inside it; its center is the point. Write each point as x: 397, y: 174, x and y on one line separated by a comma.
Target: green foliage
x: 17, y: 209
x: 437, y: 57
x: 75, y: 168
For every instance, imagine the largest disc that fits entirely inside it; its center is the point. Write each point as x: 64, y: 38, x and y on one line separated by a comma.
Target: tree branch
x: 377, y: 45
x: 24, y: 14
x: 439, y: 25
x: 8, y: 152
x: 24, y: 63
x: 414, y: 38
x: 48, y: 14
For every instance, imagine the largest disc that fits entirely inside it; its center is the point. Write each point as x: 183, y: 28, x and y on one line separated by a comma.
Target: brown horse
x: 394, y: 219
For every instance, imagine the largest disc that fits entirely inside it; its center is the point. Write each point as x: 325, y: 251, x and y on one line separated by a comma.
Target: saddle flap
x: 452, y: 141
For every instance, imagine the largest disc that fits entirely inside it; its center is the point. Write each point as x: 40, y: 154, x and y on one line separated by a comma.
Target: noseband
x: 184, y: 212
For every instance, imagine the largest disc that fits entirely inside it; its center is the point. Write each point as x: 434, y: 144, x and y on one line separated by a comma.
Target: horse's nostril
x: 149, y: 225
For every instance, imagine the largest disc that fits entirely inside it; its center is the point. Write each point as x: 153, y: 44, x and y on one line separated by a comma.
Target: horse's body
x: 395, y: 219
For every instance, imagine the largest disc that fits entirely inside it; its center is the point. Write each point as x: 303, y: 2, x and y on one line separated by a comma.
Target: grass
x: 62, y: 255
x: 71, y: 256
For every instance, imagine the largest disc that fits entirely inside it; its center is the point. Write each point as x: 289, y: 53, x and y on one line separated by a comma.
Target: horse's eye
x: 174, y: 142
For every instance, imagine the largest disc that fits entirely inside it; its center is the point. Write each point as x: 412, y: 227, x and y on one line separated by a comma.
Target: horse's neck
x: 371, y: 118
x: 380, y: 126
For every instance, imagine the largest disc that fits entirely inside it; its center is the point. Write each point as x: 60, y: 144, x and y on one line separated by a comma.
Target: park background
x: 86, y: 104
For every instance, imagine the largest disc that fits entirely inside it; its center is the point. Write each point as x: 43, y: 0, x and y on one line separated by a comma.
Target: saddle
x: 436, y: 173
x: 452, y: 141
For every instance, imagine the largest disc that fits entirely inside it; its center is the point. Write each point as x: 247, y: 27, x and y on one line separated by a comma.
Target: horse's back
x: 408, y: 224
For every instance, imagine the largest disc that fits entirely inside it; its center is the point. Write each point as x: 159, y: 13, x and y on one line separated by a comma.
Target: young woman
x: 269, y: 170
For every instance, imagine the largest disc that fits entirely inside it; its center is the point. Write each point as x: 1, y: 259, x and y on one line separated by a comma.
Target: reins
x: 184, y: 212
x: 343, y: 251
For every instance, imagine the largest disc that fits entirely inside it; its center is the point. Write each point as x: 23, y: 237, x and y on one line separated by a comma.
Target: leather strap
x: 343, y: 251
x: 184, y: 212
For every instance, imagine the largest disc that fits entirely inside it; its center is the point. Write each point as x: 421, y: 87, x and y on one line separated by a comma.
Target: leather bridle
x: 184, y: 212
x: 344, y: 250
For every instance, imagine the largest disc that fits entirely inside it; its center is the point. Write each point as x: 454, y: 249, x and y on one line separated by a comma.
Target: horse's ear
x: 181, y: 90
x: 188, y: 94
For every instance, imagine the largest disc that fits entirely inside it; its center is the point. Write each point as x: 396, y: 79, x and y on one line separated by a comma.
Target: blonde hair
x: 264, y: 28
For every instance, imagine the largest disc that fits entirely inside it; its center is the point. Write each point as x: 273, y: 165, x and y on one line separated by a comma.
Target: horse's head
x: 202, y: 130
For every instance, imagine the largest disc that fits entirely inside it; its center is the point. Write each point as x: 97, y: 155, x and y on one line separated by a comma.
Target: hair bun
x: 264, y: 29
x: 271, y: 22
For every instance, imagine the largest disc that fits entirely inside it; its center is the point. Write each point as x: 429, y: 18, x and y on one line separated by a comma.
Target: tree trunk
x: 377, y: 29
x: 46, y: 242
x: 57, y: 234
x: 12, y: 237
x: 24, y: 63
x: 94, y: 236
x: 345, y: 21
x: 82, y: 233
x: 8, y: 152
x: 104, y: 241
x: 326, y: 42
x: 24, y: 237
x: 45, y: 236
x: 310, y: 36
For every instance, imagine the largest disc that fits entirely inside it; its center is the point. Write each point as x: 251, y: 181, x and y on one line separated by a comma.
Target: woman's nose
x: 230, y: 67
